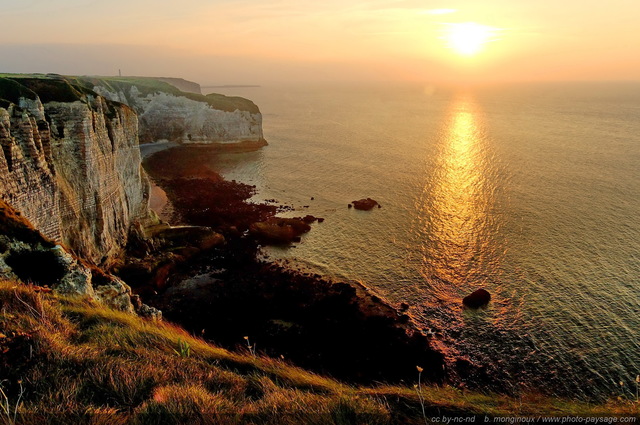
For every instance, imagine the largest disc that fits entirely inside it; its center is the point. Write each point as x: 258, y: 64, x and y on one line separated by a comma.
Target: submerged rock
x: 279, y: 230
x: 477, y: 299
x: 308, y: 219
x: 199, y: 237
x: 365, y: 204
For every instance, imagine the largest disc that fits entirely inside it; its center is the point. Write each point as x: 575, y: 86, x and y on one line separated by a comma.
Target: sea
x: 530, y: 191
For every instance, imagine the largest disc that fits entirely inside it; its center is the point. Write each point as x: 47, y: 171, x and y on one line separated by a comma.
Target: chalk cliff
x: 70, y: 163
x: 166, y: 113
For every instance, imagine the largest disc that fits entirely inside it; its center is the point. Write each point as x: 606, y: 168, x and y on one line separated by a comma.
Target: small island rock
x: 365, y: 204
x: 477, y: 299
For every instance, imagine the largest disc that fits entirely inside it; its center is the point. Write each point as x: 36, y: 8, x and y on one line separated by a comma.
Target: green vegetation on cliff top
x: 53, y: 87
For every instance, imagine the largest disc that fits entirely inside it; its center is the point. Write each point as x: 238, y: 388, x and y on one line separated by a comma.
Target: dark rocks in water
x: 404, y: 306
x: 309, y: 219
x: 477, y: 299
x: 201, y: 195
x: 365, y: 204
x: 312, y: 198
x: 200, y: 237
x: 279, y: 230
x: 330, y: 327
x: 350, y: 206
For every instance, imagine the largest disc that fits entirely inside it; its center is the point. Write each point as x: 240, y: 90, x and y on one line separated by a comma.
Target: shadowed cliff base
x: 227, y: 293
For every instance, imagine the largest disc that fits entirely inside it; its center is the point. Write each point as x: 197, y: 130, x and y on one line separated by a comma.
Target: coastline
x: 148, y: 149
x: 90, y: 357
x: 227, y: 292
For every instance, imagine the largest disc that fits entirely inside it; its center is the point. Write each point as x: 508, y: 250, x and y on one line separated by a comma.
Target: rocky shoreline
x: 224, y: 292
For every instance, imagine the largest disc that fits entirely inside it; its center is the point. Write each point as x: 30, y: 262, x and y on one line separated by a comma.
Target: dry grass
x: 81, y: 363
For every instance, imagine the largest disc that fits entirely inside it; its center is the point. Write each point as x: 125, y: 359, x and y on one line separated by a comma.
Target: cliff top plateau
x: 50, y: 87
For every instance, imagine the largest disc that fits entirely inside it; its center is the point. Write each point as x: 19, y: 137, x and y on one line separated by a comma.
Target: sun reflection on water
x: 457, y: 244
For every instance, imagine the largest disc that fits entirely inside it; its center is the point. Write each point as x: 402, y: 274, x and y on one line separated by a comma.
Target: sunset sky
x: 260, y: 41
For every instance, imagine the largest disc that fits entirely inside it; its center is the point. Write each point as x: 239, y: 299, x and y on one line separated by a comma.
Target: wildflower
x: 621, y: 384
x: 638, y: 378
x: 246, y: 337
x: 419, y: 369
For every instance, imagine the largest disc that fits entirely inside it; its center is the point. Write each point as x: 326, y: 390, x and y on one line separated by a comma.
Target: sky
x: 262, y: 41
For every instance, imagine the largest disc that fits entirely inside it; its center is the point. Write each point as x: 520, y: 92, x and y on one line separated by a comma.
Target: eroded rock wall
x: 165, y: 116
x: 73, y: 169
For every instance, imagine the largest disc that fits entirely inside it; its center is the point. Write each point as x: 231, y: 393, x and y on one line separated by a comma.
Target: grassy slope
x: 69, y: 88
x: 76, y: 359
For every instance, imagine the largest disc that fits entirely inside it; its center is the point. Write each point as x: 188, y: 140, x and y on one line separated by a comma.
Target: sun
x: 468, y: 38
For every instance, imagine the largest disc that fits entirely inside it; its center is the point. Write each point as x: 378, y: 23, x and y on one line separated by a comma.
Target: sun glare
x: 468, y: 38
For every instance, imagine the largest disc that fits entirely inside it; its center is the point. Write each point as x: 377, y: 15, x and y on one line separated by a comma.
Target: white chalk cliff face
x: 73, y: 169
x: 165, y: 116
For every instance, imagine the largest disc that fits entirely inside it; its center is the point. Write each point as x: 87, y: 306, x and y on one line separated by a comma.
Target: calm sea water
x: 532, y: 192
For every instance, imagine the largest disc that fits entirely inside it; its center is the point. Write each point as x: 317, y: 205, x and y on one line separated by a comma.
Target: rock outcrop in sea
x: 477, y: 298
x: 365, y: 204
